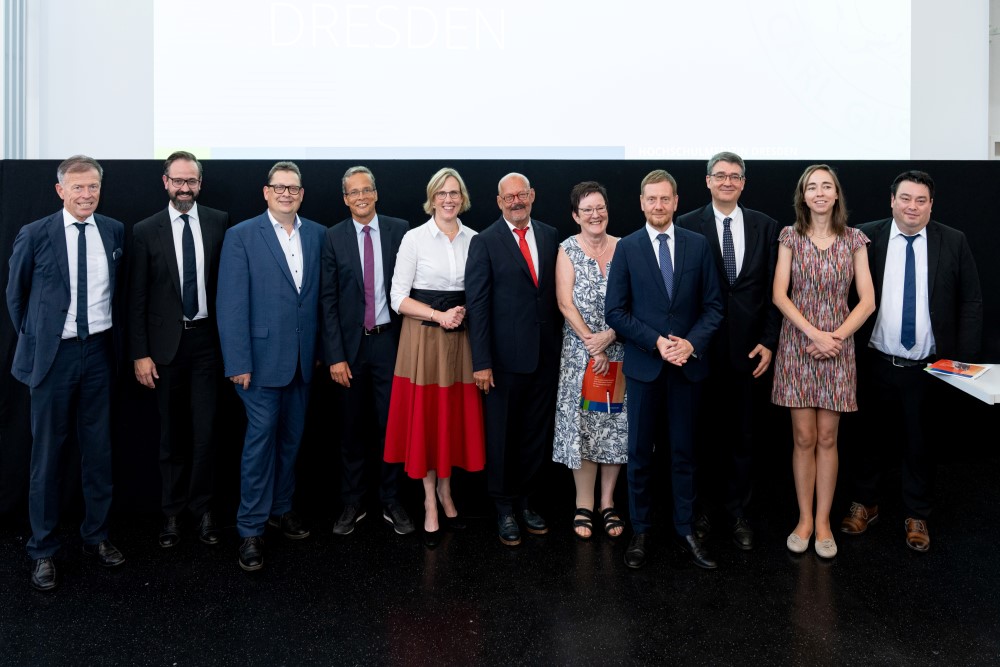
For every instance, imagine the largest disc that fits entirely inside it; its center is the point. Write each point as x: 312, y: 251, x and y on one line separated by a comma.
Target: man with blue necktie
x: 663, y: 300
x: 63, y: 272
x: 929, y: 306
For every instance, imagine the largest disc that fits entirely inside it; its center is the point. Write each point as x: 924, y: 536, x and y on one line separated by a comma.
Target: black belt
x: 379, y: 328
x: 94, y: 336
x: 197, y: 324
x: 901, y: 362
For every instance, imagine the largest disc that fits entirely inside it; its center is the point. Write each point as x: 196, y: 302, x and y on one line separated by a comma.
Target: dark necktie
x: 908, y: 330
x: 522, y: 243
x: 666, y: 266
x: 82, y: 325
x: 190, y: 291
x: 369, y: 279
x: 728, y: 251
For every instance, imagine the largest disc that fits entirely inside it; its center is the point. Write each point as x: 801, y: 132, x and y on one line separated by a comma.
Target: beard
x: 183, y: 205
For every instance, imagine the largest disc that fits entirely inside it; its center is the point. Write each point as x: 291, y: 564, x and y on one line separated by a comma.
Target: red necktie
x: 526, y: 251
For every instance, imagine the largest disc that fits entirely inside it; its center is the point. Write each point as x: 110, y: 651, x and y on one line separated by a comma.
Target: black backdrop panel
x: 133, y: 190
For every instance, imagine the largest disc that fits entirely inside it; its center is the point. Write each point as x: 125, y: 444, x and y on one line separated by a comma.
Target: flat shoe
x: 796, y: 544
x: 826, y: 548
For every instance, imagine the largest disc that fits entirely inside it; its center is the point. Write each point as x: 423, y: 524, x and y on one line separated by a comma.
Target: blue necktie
x: 908, y: 330
x: 189, y: 293
x: 82, y: 325
x: 666, y: 266
x: 728, y: 251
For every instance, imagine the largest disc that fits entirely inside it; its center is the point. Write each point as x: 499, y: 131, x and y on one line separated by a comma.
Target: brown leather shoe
x: 917, y: 537
x: 859, y: 519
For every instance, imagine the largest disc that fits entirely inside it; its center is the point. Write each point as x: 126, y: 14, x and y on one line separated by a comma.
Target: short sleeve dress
x: 581, y: 434
x: 820, y: 282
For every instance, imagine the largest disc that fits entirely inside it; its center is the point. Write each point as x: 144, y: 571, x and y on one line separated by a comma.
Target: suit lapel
x: 933, y: 256
x: 709, y: 230
x: 270, y: 238
x: 751, y: 237
x: 680, y: 252
x: 387, y: 239
x: 57, y: 237
x: 511, y: 243
x: 880, y: 246
x: 349, y: 240
x: 166, y: 237
x: 108, y: 241
x: 542, y: 243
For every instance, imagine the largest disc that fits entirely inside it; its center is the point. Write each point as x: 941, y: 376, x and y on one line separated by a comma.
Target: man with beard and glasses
x: 174, y: 341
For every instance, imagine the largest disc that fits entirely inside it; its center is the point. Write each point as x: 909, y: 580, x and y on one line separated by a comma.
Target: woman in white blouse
x: 435, y: 413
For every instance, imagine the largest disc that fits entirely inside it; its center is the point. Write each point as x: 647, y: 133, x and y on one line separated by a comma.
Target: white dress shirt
x: 98, y: 277
x: 653, y: 233
x: 428, y: 260
x: 888, y: 324
x: 530, y: 238
x: 291, y: 245
x: 177, y: 228
x: 739, y: 235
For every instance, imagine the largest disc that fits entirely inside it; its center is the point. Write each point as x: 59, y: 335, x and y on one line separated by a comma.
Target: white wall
x: 92, y: 90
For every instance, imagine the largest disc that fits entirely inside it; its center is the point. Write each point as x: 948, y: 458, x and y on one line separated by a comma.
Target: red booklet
x: 958, y: 368
x: 603, y: 393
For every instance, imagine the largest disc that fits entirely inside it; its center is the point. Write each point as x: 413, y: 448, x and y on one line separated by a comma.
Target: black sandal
x: 612, y: 521
x: 586, y: 522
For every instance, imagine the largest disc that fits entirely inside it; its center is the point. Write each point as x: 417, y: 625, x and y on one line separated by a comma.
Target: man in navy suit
x: 515, y: 335
x: 744, y: 246
x: 268, y: 316
x: 663, y: 301
x: 173, y: 274
x: 360, y: 337
x: 63, y: 272
x: 939, y: 315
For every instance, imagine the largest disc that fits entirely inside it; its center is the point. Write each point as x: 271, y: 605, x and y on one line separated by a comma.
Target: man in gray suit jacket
x: 360, y: 337
x: 63, y: 272
x: 929, y: 307
x: 173, y: 274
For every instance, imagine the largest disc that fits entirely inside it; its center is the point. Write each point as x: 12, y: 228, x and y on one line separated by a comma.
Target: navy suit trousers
x: 76, y: 393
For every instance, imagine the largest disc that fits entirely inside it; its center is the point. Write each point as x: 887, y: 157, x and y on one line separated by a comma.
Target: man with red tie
x: 515, y: 334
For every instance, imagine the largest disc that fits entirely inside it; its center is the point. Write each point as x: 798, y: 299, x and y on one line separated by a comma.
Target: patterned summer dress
x: 580, y: 434
x: 820, y: 282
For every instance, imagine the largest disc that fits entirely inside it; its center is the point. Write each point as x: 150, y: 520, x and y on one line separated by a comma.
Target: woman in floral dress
x: 814, y: 371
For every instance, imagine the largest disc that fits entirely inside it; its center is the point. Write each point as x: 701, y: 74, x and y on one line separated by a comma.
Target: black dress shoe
x: 349, y: 518
x: 207, y: 531
x: 699, y: 556
x: 396, y: 516
x: 507, y: 528
x: 702, y: 526
x: 170, y: 534
x: 43, y: 575
x: 534, y: 522
x: 432, y: 538
x: 105, y: 553
x: 290, y: 525
x: 743, y: 534
x: 252, y: 553
x: 638, y: 551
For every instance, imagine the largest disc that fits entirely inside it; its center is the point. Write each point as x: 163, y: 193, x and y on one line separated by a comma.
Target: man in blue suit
x: 268, y: 314
x: 63, y: 272
x: 663, y: 300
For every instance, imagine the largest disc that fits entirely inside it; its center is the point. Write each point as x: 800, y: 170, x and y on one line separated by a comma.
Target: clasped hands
x: 825, y: 345
x: 451, y: 318
x: 674, y: 350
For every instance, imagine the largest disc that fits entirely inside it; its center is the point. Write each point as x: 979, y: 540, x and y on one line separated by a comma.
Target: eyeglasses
x: 450, y: 194
x: 586, y: 212
x: 354, y: 194
x: 720, y: 177
x: 279, y: 189
x: 509, y: 199
x: 179, y: 182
